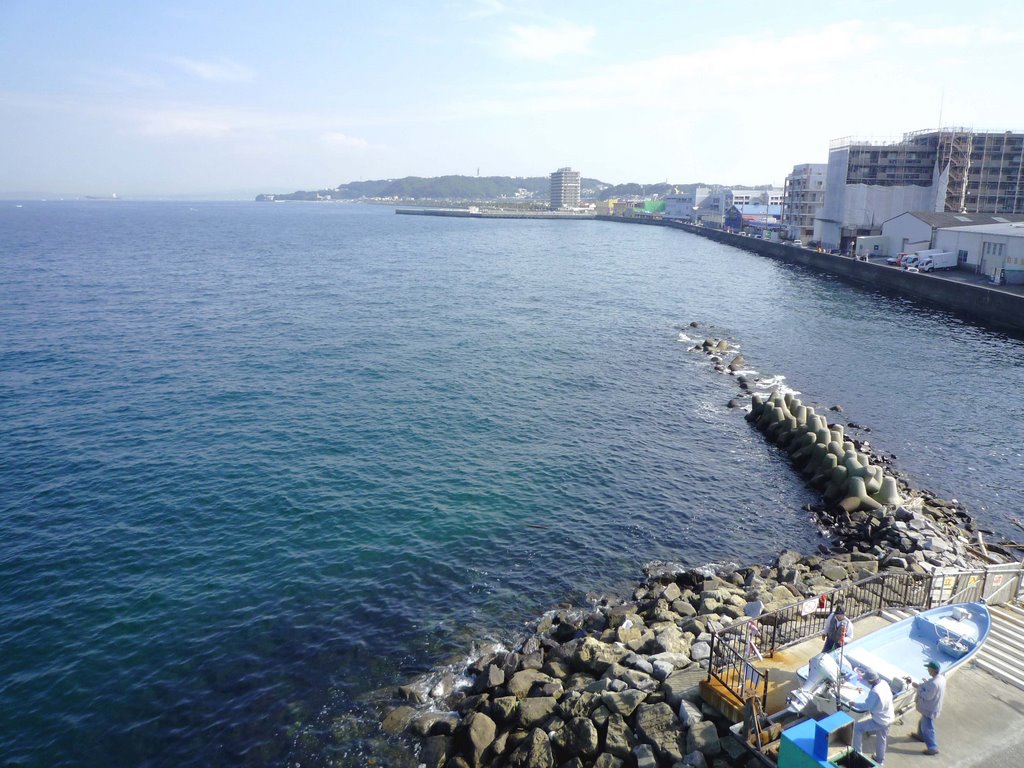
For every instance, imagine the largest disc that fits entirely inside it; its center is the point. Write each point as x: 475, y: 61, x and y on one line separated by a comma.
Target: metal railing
x: 735, y: 649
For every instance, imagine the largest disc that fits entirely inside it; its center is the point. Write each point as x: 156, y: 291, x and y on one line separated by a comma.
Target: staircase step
x: 1000, y: 636
x: 1001, y: 673
x: 1013, y: 620
x: 996, y: 653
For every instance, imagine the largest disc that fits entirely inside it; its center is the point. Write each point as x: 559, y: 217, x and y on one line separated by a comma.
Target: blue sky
x: 227, y: 99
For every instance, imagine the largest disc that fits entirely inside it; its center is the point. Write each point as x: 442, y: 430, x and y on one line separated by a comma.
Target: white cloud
x: 336, y: 139
x: 534, y: 42
x: 216, y: 71
x: 186, y: 123
x: 482, y: 9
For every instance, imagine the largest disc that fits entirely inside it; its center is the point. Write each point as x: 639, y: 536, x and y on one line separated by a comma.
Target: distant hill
x: 471, y: 188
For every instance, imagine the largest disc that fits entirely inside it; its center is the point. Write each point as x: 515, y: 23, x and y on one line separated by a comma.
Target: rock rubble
x: 616, y: 685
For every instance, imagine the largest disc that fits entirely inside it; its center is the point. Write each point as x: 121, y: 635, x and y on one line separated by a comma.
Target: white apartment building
x: 804, y: 196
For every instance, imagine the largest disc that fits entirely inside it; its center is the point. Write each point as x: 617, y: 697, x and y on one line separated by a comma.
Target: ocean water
x: 261, y: 463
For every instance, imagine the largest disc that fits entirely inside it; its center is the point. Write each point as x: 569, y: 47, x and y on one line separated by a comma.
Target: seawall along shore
x: 997, y: 306
x: 492, y: 213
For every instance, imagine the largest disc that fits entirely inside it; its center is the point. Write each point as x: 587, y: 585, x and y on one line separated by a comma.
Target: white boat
x: 819, y: 715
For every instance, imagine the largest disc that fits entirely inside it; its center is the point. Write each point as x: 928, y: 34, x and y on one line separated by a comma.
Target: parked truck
x: 935, y: 258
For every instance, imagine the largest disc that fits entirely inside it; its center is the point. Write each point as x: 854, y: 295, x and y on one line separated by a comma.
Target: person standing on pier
x: 929, y: 698
x: 838, y: 630
x: 880, y: 708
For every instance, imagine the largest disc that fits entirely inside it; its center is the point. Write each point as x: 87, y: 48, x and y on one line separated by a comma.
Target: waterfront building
x: 683, y: 205
x: 756, y: 196
x: 752, y: 217
x: 803, y: 198
x: 711, y: 210
x: 915, y: 230
x: 954, y: 170
x: 565, y: 189
x: 995, y: 250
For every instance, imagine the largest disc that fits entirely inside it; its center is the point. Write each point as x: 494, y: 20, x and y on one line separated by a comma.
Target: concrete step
x: 1005, y: 638
x: 998, y: 654
x: 1002, y: 656
x: 1008, y: 617
x: 1010, y: 677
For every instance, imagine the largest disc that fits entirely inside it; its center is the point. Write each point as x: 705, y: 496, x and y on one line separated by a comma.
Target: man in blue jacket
x: 929, y: 698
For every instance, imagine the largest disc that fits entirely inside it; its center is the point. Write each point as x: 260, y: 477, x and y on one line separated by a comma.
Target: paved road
x: 961, y: 276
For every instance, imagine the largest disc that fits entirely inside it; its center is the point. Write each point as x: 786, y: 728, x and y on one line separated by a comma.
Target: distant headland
x: 452, y: 189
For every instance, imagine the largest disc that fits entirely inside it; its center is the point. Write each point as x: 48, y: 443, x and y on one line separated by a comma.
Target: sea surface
x: 261, y: 462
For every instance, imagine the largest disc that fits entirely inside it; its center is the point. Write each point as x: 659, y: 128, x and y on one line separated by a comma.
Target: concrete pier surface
x: 981, y: 725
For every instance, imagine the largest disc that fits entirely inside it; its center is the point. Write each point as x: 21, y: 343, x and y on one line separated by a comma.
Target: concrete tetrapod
x: 889, y: 494
x: 858, y: 498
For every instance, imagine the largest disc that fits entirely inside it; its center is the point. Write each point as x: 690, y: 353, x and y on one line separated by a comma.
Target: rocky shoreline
x: 616, y: 685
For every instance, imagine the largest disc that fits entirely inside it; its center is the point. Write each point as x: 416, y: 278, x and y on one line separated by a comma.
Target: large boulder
x: 645, y: 756
x: 700, y: 650
x: 535, y: 711
x: 703, y: 736
x: 689, y: 713
x: 680, y: 685
x: 672, y: 640
x: 434, y: 723
x: 618, y: 738
x: 435, y: 752
x: 523, y: 681
x: 398, y: 719
x: 476, y: 735
x: 657, y: 725
x: 594, y: 656
x: 578, y: 737
x: 623, y: 703
x: 533, y: 752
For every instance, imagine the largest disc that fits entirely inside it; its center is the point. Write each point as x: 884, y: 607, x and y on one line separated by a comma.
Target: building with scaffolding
x: 565, y: 189
x: 803, y: 198
x: 948, y: 170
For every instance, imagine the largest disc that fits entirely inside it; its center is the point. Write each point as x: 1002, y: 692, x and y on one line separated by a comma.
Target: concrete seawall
x: 990, y: 305
x: 486, y: 213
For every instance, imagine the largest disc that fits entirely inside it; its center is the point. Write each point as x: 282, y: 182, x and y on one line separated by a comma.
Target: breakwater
x: 618, y: 683
x: 488, y: 213
x: 991, y: 305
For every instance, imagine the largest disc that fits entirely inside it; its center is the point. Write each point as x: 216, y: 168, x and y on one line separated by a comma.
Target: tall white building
x: 803, y: 198
x: 565, y: 189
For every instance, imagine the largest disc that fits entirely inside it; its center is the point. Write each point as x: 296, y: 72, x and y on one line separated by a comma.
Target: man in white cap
x: 882, y: 713
x: 929, y: 698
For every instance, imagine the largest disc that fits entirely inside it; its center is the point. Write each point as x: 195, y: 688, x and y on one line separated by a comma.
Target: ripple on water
x: 283, y: 457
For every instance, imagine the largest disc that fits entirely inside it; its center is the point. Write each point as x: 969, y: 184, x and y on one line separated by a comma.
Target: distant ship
x: 98, y: 197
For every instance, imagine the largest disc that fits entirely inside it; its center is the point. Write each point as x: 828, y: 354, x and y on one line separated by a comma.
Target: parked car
x: 797, y: 243
x: 896, y: 260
